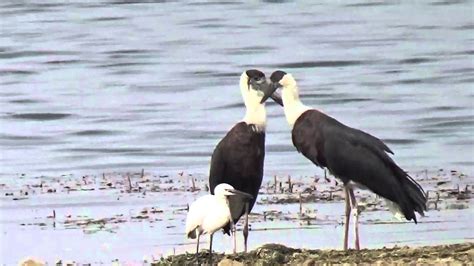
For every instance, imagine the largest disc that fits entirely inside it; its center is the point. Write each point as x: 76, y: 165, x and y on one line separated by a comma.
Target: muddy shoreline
x: 274, y: 254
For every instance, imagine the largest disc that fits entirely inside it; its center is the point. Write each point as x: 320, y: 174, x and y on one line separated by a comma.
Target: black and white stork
x: 238, y: 158
x: 357, y: 158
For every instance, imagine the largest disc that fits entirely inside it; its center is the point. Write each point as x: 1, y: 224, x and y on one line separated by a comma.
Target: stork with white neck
x: 238, y: 158
x: 355, y: 157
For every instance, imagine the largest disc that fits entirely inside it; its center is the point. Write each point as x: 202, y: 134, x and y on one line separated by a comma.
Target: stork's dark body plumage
x: 353, y: 155
x: 238, y: 160
x: 349, y: 154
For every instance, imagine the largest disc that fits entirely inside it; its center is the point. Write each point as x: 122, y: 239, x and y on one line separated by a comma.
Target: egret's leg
x: 210, y: 243
x: 356, y: 218
x: 347, y: 218
x: 197, y: 244
x: 210, y: 248
x: 246, y: 226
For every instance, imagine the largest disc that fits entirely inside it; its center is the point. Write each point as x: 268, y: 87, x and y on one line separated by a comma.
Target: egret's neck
x: 221, y: 197
x: 292, y: 105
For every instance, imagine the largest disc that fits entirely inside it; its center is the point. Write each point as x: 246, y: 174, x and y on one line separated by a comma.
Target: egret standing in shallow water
x: 238, y: 158
x: 357, y: 158
x: 210, y: 213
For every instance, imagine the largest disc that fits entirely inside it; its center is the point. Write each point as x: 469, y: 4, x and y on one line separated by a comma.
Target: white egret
x: 210, y: 213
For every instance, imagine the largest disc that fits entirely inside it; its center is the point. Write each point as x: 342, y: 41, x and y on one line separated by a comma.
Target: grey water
x: 134, y: 241
x: 96, y: 86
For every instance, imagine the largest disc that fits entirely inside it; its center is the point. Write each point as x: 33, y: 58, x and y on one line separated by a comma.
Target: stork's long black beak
x: 240, y: 193
x: 276, y: 97
x: 270, y: 92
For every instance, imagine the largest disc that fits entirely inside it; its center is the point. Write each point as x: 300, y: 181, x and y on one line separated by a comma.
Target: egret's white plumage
x: 208, y: 214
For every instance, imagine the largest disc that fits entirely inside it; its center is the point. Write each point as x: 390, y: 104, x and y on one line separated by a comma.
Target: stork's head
x: 253, y: 84
x: 225, y: 190
x: 281, y: 79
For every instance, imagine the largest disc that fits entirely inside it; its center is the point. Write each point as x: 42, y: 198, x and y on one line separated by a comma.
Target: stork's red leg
x: 347, y: 218
x: 356, y: 218
x: 234, y: 236
x: 356, y: 221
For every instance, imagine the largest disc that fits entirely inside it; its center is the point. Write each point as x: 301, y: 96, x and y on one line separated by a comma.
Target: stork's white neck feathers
x: 292, y: 105
x: 255, y: 113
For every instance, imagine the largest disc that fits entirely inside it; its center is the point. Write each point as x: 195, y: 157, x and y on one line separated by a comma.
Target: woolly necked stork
x: 238, y: 158
x: 357, y: 158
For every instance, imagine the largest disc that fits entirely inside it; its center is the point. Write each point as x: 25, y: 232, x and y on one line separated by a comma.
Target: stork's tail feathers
x: 226, y: 229
x: 192, y: 233
x: 414, y: 198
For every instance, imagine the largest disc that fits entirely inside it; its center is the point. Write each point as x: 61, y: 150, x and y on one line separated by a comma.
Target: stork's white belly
x: 352, y: 184
x: 392, y: 206
x: 395, y: 210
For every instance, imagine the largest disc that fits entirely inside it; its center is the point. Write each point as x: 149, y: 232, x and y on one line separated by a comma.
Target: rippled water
x: 91, y: 86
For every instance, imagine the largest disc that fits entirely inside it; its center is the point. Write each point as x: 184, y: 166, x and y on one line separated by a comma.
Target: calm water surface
x: 92, y: 86
x: 101, y: 86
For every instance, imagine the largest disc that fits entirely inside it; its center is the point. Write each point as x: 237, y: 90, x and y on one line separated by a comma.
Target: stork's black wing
x: 353, y: 155
x: 238, y: 161
x: 218, y: 166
